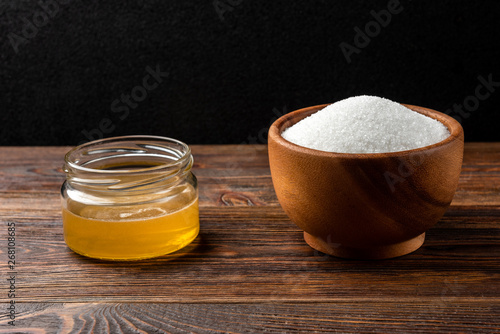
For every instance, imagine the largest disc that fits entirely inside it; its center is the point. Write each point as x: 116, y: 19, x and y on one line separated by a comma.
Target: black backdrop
x: 235, y: 65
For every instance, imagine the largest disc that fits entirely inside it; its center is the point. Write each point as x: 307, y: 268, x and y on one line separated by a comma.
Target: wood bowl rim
x: 287, y: 120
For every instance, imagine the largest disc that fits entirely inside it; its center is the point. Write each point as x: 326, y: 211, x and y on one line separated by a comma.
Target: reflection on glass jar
x: 129, y: 198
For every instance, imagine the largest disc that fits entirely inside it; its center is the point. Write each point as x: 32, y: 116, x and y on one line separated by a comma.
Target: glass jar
x: 129, y: 198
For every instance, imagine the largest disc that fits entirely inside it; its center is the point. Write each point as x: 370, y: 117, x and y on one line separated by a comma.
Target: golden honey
x: 130, y: 233
x: 129, y: 198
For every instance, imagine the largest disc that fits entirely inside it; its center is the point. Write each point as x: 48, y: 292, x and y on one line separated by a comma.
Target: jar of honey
x: 129, y: 198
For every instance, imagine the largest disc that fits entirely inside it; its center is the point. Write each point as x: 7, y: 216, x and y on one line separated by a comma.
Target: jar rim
x: 183, y: 156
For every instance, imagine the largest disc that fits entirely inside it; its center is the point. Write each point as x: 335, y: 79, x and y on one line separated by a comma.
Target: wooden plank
x: 227, y: 175
x: 239, y: 171
x: 480, y: 178
x: 250, y: 268
x: 418, y: 317
x: 254, y: 253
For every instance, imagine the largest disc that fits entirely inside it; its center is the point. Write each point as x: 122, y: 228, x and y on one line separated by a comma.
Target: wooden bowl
x: 365, y: 206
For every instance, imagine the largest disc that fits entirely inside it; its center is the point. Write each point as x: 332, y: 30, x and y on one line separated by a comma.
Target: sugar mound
x: 366, y: 124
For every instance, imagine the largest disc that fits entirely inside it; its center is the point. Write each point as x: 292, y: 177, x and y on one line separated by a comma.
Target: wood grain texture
x: 418, y: 317
x: 250, y: 268
x: 365, y: 206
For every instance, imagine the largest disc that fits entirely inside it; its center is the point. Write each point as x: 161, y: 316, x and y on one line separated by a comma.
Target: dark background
x: 234, y: 65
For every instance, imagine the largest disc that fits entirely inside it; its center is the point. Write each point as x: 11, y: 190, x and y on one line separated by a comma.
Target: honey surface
x: 130, y: 232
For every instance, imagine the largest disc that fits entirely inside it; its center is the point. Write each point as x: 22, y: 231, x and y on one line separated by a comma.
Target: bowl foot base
x: 372, y: 253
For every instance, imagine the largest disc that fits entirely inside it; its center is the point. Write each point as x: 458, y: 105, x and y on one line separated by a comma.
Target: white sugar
x: 366, y: 124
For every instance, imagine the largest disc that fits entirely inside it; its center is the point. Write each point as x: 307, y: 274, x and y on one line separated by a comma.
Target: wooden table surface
x: 249, y: 270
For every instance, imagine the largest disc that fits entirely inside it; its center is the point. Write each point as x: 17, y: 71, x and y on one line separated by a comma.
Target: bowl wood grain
x: 365, y: 206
